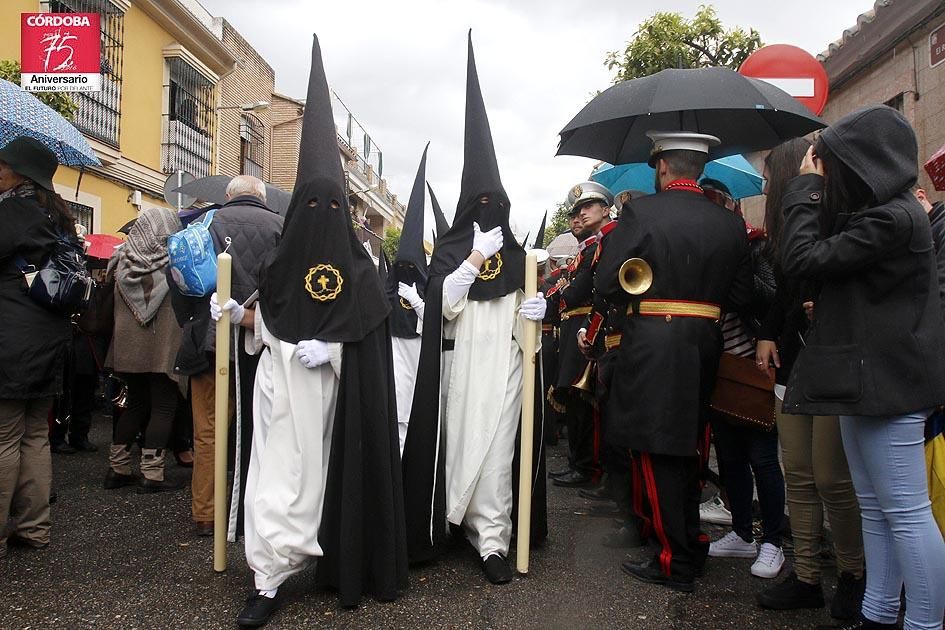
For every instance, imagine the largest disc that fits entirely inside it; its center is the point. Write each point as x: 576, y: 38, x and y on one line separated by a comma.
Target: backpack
x: 61, y: 283
x: 193, y: 259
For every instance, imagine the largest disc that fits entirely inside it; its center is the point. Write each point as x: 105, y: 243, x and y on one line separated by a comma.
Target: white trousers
x: 406, y: 354
x: 293, y: 410
x: 488, y: 518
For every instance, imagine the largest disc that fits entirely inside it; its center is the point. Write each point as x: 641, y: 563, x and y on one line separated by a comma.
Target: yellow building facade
x: 157, y: 112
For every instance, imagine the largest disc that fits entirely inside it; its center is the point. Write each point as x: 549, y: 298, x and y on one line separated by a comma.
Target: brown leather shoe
x: 203, y: 528
x: 185, y: 459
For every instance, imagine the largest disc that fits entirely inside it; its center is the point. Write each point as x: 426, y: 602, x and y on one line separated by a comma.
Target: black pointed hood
x: 410, y: 264
x: 320, y: 282
x: 482, y: 199
x: 442, y: 225
x: 540, y: 237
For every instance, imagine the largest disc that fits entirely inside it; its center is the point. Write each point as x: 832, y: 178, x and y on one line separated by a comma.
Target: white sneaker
x: 732, y: 546
x: 714, y: 511
x: 769, y: 562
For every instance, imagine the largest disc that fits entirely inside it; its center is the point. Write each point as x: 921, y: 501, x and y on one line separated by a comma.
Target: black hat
x: 320, y: 282
x: 482, y: 199
x: 410, y: 264
x: 442, y: 225
x: 32, y: 159
x: 540, y: 237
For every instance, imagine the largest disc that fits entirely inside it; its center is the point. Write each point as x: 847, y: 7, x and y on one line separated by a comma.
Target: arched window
x: 251, y: 146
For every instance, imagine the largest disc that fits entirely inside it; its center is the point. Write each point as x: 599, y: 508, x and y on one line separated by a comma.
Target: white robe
x: 293, y: 411
x: 482, y: 402
x: 406, y: 354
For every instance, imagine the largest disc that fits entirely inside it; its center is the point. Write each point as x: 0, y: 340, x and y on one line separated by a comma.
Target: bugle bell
x: 584, y: 383
x: 635, y: 276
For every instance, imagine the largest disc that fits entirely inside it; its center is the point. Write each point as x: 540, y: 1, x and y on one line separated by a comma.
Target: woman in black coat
x: 33, y: 340
x: 876, y: 353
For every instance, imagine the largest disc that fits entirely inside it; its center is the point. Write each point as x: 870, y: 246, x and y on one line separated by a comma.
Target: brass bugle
x: 635, y: 276
x: 584, y: 383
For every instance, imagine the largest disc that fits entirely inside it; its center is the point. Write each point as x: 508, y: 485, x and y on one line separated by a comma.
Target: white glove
x: 534, y: 308
x: 234, y: 308
x: 312, y: 353
x: 410, y: 293
x: 487, y: 243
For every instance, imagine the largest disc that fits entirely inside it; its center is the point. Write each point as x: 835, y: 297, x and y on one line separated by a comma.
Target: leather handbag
x: 743, y: 394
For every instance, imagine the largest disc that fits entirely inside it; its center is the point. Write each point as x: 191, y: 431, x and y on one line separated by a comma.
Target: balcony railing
x: 186, y: 149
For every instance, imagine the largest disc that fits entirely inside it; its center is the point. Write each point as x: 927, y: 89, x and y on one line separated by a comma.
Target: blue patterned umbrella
x: 22, y: 114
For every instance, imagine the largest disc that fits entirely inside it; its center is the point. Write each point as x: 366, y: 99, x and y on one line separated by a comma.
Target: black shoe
x: 560, y: 473
x: 650, y: 573
x: 61, y: 448
x: 83, y: 444
x: 497, y: 569
x: 572, y: 479
x: 116, y: 480
x: 849, y: 596
x: 148, y: 486
x: 862, y: 623
x: 624, y: 538
x: 790, y: 594
x: 203, y: 528
x: 257, y: 611
x: 18, y: 541
x: 600, y: 493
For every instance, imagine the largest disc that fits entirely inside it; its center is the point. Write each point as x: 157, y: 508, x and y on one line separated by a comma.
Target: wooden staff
x: 221, y: 414
x: 528, y: 422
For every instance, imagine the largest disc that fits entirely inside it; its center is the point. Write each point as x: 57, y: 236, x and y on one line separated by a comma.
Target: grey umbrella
x: 745, y: 114
x: 213, y: 190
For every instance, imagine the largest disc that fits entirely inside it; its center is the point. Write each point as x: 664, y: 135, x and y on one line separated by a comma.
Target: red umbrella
x: 101, y: 245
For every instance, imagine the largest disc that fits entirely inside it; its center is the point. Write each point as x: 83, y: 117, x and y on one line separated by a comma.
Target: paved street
x: 123, y: 560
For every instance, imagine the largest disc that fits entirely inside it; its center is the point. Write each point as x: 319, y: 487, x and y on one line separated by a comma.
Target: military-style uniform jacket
x: 671, y: 340
x: 575, y: 294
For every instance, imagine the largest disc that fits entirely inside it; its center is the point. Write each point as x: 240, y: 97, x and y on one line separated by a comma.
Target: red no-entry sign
x: 792, y: 69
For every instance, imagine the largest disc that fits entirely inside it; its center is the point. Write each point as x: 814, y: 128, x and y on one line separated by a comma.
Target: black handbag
x: 62, y: 282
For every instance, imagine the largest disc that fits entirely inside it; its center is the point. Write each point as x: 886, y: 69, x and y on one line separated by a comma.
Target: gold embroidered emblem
x: 491, y: 268
x: 405, y: 304
x: 576, y: 191
x: 323, y: 282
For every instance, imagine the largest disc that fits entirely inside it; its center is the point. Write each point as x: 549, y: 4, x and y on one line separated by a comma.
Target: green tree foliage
x: 558, y: 224
x: 391, y: 242
x: 669, y: 40
x: 62, y: 102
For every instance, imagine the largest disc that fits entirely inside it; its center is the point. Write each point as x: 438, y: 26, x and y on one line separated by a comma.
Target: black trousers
x: 579, y: 418
x: 152, y: 400
x: 667, y: 495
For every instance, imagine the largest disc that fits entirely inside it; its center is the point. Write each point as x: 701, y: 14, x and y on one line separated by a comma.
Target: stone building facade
x: 889, y: 57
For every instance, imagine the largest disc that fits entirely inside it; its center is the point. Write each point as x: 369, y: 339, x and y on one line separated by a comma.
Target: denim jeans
x: 901, y: 540
x: 740, y: 451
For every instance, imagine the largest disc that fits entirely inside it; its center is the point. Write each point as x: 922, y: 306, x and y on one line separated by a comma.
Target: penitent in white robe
x: 482, y: 399
x: 293, y: 412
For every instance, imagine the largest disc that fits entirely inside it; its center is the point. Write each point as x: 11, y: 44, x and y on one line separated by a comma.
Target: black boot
x: 117, y: 480
x: 849, y: 597
x: 651, y: 573
x: 862, y: 623
x: 497, y: 569
x: 257, y: 611
x: 791, y: 594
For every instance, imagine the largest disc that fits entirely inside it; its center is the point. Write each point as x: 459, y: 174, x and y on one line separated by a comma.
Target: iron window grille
x: 99, y: 113
x: 83, y: 214
x: 187, y: 142
x: 251, y: 146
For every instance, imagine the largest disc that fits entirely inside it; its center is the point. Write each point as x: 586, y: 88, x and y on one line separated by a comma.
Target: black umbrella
x: 745, y: 114
x: 213, y: 189
x: 127, y: 226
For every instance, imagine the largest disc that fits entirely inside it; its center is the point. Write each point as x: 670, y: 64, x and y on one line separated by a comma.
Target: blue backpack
x: 193, y: 259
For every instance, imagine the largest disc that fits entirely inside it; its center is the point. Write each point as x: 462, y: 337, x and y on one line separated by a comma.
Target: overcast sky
x: 400, y: 66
